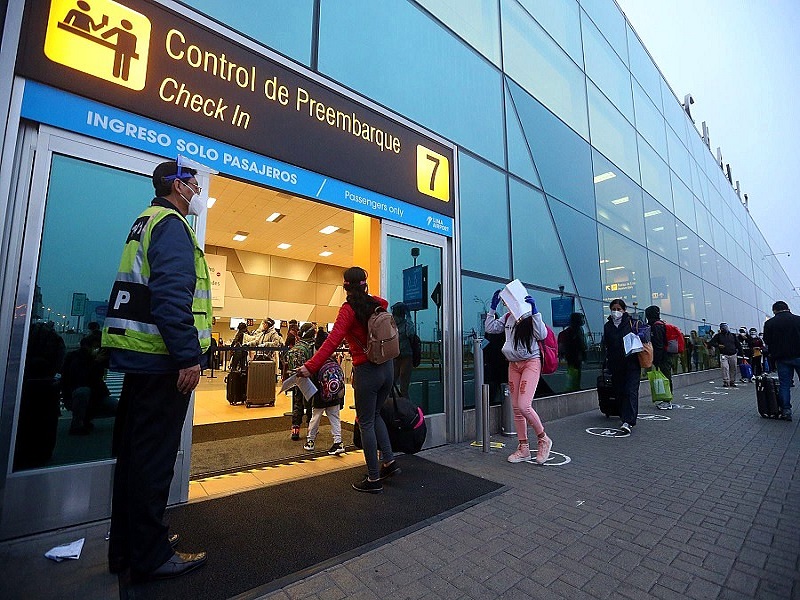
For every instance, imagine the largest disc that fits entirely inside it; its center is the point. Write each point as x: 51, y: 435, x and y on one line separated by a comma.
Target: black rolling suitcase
x: 609, y: 405
x: 236, y: 386
x: 767, y: 396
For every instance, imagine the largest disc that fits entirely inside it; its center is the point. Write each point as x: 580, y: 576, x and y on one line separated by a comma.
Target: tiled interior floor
x: 211, y: 406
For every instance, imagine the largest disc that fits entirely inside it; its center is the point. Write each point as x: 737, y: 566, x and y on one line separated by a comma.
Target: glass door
x: 84, y: 195
x: 414, y: 285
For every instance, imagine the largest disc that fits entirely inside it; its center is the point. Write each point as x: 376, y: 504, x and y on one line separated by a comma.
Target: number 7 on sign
x: 433, y: 174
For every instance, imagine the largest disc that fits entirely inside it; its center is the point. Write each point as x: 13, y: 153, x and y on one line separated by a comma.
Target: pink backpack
x: 548, y: 350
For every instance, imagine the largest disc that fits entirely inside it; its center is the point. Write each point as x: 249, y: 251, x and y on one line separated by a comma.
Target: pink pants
x: 523, y: 377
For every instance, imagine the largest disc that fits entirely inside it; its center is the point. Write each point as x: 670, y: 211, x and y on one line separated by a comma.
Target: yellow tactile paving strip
x: 232, y: 483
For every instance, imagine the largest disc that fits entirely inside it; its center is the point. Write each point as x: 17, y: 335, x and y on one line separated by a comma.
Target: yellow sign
x: 433, y: 174
x: 101, y: 38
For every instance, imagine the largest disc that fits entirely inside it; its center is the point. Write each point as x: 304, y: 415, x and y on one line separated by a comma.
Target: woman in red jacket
x: 371, y: 382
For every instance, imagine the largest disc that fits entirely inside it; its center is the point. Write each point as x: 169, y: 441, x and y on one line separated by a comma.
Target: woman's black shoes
x: 371, y: 487
x: 388, y: 470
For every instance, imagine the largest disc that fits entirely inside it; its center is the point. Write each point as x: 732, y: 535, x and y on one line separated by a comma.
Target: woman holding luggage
x: 524, y: 367
x: 625, y: 370
x: 372, y: 382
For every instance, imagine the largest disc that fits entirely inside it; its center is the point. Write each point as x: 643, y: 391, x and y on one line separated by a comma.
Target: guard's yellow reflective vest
x: 129, y: 324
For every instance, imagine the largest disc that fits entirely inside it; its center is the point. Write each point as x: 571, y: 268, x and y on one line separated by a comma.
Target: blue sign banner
x: 415, y: 287
x: 562, y: 308
x: 67, y: 111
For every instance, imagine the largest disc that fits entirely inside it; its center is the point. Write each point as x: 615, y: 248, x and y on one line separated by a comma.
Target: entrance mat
x: 265, y: 539
x: 258, y: 442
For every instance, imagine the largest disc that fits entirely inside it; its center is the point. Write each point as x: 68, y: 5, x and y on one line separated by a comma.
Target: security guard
x: 158, y: 329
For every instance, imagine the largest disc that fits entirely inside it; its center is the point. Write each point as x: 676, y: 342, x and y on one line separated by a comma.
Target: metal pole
x: 485, y: 412
x: 477, y: 361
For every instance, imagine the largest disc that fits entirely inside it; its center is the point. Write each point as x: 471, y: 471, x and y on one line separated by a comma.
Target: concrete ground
x: 702, y: 501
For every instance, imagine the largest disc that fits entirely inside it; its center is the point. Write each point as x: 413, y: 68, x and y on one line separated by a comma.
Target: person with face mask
x: 625, y: 369
x: 727, y: 344
x: 782, y: 337
x: 158, y: 330
x: 756, y: 352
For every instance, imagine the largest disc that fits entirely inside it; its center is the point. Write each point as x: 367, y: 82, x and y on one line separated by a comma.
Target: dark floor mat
x: 264, y: 539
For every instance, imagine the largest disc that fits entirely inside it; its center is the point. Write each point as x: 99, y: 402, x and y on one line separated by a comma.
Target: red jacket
x: 345, y: 327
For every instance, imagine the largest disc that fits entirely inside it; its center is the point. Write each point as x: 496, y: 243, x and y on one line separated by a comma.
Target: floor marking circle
x: 562, y: 460
x: 714, y: 393
x: 683, y: 406
x: 692, y: 398
x: 649, y: 417
x: 607, y: 432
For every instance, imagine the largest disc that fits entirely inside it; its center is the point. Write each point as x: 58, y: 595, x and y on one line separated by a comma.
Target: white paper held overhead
x: 513, y: 295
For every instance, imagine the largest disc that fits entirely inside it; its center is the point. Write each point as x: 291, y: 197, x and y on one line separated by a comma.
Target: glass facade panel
x: 606, y: 69
x: 520, y: 155
x: 693, y: 297
x: 463, y: 104
x: 623, y: 269
x: 540, y: 66
x: 287, y: 25
x: 665, y: 285
x: 476, y: 294
x: 610, y: 22
x: 476, y: 21
x: 612, y: 134
x: 579, y: 238
x: 562, y: 21
x: 536, y: 251
x: 484, y: 216
x: 704, y: 223
x: 619, y: 200
x: 649, y: 121
x: 659, y: 229
x: 688, y: 248
x: 684, y: 203
x: 713, y: 312
x: 678, y: 156
x: 655, y: 174
x: 673, y: 112
x: 557, y: 150
x: 644, y: 69
x: 76, y: 256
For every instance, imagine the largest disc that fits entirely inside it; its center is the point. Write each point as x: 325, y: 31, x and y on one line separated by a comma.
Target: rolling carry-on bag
x: 236, y: 387
x: 767, y: 396
x: 609, y: 405
x: 260, y: 383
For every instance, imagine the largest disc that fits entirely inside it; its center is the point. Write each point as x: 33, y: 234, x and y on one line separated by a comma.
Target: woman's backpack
x: 383, y: 341
x: 548, y: 350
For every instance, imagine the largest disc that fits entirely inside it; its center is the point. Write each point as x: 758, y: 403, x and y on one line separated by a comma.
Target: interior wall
x: 263, y: 285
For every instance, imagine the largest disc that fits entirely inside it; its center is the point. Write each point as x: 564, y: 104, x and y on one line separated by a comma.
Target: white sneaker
x: 625, y: 427
x: 309, y: 445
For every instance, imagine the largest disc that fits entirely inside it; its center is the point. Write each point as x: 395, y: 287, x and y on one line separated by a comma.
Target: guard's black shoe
x: 117, y: 564
x: 371, y: 487
x: 388, y: 470
x: 786, y: 417
x: 178, y: 564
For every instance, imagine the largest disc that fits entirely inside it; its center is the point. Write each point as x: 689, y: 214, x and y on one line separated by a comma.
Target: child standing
x: 329, y: 400
x: 524, y: 368
x: 302, y: 350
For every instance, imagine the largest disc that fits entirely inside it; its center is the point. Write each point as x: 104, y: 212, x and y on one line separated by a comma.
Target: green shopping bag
x: 659, y: 386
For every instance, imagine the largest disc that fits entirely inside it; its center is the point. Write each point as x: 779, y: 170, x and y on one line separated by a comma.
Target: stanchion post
x: 485, y: 412
x: 477, y: 361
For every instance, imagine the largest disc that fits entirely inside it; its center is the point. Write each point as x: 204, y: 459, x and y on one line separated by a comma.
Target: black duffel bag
x: 405, y: 423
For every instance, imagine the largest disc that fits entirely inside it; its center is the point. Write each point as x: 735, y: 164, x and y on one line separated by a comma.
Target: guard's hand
x: 188, y: 379
x: 532, y: 302
x: 495, y: 300
x: 303, y: 372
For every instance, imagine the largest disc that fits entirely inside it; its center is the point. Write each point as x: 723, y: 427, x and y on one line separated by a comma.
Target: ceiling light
x: 652, y: 213
x: 604, y: 177
x: 211, y: 202
x: 683, y: 237
x: 658, y: 229
x: 326, y: 253
x: 284, y: 246
x: 275, y: 217
x: 604, y: 261
x: 240, y: 236
x: 622, y: 200
x: 329, y: 229
x: 614, y: 268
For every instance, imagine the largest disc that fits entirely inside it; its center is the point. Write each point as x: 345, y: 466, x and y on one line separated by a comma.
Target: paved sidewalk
x: 703, y: 505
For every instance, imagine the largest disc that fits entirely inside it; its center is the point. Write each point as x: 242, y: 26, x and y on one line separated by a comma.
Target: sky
x: 739, y: 61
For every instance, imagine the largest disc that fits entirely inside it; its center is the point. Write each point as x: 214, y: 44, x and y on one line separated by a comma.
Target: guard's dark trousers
x: 146, y: 438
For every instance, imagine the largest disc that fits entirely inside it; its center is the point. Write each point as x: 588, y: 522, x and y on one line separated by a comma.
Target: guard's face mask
x: 196, y: 204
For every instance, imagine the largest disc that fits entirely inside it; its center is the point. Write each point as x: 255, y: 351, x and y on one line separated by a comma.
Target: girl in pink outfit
x: 524, y: 367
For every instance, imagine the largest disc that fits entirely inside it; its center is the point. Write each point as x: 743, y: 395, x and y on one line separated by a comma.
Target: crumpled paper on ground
x: 71, y: 551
